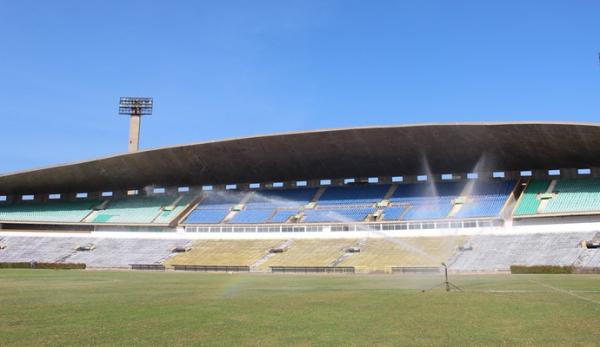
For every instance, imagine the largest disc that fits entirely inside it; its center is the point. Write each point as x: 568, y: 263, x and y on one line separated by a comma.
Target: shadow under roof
x: 336, y: 153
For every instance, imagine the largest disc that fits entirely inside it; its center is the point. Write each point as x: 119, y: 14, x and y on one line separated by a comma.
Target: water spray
x: 449, y: 286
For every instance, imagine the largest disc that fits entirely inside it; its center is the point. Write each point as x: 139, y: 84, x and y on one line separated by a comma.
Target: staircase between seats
x: 269, y: 255
x: 241, y: 204
x: 347, y: 255
x: 92, y: 215
x: 544, y: 202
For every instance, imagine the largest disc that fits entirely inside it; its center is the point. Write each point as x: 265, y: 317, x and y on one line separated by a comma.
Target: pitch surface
x: 60, y: 308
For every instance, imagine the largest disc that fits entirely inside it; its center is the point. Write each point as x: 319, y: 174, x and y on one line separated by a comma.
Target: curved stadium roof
x: 336, y: 153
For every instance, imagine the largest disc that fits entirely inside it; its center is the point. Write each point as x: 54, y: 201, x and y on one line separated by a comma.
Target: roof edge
x: 298, y: 132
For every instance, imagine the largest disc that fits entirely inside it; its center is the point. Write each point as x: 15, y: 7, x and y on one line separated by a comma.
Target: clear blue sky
x: 221, y: 69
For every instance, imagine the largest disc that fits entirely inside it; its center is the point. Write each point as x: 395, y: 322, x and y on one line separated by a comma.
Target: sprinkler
x: 449, y: 286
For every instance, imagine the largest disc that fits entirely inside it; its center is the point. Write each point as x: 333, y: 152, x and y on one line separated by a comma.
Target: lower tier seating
x: 380, y: 254
x: 225, y: 252
x: 499, y: 252
x: 107, y: 252
x: 310, y: 253
x: 487, y: 253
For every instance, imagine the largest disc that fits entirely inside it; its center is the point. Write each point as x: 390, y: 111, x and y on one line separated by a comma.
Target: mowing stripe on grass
x: 565, y: 292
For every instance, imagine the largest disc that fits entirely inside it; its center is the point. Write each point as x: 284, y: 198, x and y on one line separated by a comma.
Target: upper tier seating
x: 225, y: 199
x: 214, y: 207
x: 339, y: 215
x: 207, y: 216
x: 250, y: 216
x: 137, y: 209
x: 281, y: 198
x: 567, y: 196
x: 425, y: 200
x: 433, y: 209
x: 414, y: 192
x: 263, y: 205
x: 575, y: 195
x: 167, y: 215
x: 393, y: 213
x: 353, y: 195
x: 282, y: 216
x: 349, y: 203
x: 482, y: 207
x: 486, y: 199
x: 529, y: 201
x: 51, y: 211
x: 420, y: 201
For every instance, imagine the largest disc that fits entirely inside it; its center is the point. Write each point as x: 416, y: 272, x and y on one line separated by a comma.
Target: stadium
x: 489, y: 203
x: 477, y: 197
x: 309, y: 173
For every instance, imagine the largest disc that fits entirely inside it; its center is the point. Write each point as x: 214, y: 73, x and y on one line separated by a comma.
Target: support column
x: 134, y: 133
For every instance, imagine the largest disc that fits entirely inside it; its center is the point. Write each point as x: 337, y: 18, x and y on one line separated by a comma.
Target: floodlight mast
x: 135, y: 107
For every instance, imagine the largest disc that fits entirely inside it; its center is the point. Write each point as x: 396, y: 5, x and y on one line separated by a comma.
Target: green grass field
x: 59, y: 308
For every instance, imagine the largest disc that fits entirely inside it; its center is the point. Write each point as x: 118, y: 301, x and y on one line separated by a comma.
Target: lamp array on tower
x: 135, y: 107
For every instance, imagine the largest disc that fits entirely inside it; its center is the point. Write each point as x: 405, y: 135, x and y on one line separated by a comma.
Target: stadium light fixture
x: 135, y: 107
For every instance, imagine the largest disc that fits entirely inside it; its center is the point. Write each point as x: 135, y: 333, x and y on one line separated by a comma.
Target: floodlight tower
x: 136, y: 108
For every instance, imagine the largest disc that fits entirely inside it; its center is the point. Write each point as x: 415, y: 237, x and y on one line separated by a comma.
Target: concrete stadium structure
x: 459, y: 193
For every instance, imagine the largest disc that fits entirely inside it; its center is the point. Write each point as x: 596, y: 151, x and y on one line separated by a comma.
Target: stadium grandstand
x: 480, y: 197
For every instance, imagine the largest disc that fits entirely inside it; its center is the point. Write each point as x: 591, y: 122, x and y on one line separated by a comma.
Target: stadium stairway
x: 544, y: 202
x: 318, y: 195
x: 358, y: 245
x: 256, y: 266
